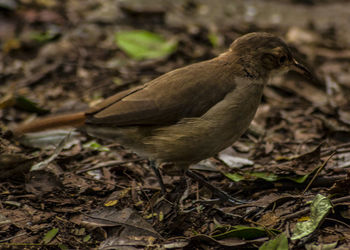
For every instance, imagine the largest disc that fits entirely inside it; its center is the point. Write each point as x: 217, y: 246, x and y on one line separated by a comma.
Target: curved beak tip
x: 301, y: 69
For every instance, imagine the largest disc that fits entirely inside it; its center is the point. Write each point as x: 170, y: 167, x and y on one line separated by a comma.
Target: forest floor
x: 291, y: 166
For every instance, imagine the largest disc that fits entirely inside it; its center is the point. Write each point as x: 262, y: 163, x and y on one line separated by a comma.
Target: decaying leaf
x: 320, y: 207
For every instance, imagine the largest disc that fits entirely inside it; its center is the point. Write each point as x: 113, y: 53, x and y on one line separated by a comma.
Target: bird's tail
x: 54, y: 122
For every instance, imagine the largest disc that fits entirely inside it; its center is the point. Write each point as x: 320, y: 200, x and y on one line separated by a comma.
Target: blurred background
x: 59, y: 56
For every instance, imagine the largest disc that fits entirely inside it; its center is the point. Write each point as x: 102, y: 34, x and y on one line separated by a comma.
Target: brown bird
x: 190, y: 113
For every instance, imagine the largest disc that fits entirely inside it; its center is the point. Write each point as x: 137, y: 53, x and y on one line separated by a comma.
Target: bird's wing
x: 185, y: 92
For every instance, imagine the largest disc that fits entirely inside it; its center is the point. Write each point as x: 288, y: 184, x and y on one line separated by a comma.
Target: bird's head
x: 263, y: 54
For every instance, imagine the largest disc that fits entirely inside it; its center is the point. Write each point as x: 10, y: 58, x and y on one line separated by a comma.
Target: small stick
x: 307, y: 210
x: 317, y: 173
x: 107, y: 164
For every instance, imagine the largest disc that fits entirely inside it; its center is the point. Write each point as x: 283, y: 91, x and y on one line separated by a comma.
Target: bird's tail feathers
x: 54, y: 122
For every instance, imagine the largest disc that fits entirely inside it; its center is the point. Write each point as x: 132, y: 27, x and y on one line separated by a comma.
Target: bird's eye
x: 282, y: 59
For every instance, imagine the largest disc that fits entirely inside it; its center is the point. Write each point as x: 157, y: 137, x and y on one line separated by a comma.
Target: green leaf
x: 142, y: 44
x: 298, y: 178
x: 43, y: 37
x: 50, y: 235
x: 95, y: 146
x: 267, y: 176
x: 213, y: 39
x: 319, y: 209
x: 278, y: 243
x: 87, y: 238
x: 234, y: 177
x: 243, y: 232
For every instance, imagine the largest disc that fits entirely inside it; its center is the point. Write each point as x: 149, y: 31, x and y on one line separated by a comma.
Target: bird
x: 190, y: 113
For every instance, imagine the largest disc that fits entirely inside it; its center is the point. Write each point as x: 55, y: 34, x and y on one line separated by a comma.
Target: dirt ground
x: 66, y: 190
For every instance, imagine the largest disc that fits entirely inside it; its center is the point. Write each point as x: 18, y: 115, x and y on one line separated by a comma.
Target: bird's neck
x: 246, y: 67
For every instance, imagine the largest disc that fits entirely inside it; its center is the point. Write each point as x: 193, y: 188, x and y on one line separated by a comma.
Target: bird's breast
x: 232, y: 116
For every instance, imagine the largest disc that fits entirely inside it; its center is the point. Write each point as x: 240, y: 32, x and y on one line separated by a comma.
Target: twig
x: 307, y: 210
x: 317, y: 173
x: 36, y: 77
x: 338, y: 152
x: 15, y: 236
x: 341, y: 148
x: 43, y: 164
x: 332, y: 148
x: 338, y: 221
x: 107, y: 164
x: 296, y: 214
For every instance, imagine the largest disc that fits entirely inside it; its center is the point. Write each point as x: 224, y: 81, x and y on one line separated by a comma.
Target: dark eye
x: 282, y: 59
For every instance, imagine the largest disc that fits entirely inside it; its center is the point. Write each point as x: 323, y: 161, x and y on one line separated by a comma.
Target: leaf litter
x: 90, y: 194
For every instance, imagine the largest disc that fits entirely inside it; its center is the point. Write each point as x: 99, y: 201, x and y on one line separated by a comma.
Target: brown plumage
x: 190, y: 113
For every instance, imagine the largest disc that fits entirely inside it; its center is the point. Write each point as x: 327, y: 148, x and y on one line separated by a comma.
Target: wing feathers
x: 185, y: 92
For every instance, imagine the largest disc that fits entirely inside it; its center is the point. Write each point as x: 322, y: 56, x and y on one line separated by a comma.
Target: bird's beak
x: 301, y: 69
